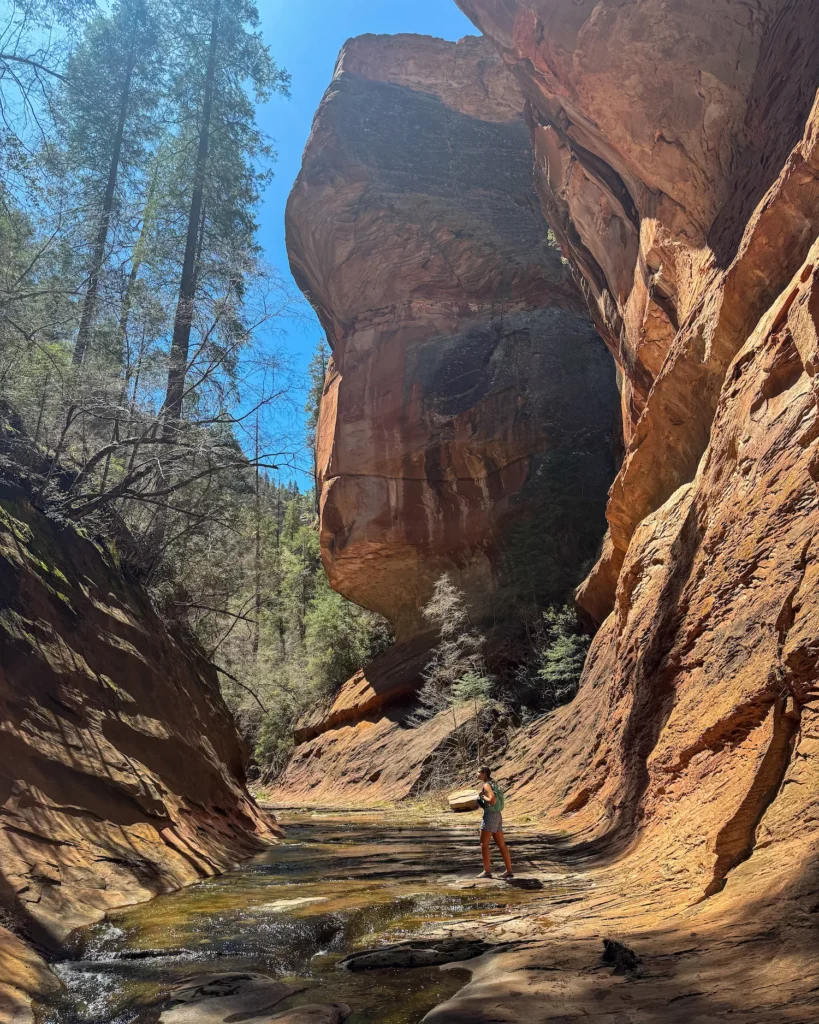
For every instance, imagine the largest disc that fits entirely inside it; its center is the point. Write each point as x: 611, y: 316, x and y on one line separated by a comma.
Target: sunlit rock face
x: 658, y: 129
x: 469, y: 419
x: 677, y: 157
x: 121, y: 774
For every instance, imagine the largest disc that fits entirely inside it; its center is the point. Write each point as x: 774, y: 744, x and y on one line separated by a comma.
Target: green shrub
x: 560, y: 654
x: 456, y: 665
x: 340, y: 637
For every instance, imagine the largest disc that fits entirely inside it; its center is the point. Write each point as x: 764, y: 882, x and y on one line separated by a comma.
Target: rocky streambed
x: 395, y: 899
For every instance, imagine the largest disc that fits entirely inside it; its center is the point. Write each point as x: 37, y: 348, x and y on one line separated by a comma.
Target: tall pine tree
x: 223, y: 66
x: 107, y: 112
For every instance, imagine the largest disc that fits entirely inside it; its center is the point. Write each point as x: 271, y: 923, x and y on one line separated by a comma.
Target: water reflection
x: 334, y: 886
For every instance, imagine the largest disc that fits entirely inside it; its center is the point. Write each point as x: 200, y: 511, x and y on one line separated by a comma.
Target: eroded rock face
x: 692, y: 743
x: 658, y: 130
x: 360, y: 747
x: 469, y: 399
x: 121, y: 774
x: 370, y: 758
x: 387, y: 680
x: 695, y: 725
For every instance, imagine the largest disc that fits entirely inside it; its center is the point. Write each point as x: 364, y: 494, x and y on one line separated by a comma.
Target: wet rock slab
x: 313, y: 1013
x: 216, y: 998
x: 223, y: 998
x: 282, y: 906
x: 417, y: 953
x: 529, y: 883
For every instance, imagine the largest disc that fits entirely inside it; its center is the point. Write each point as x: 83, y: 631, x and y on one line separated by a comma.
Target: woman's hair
x: 486, y: 770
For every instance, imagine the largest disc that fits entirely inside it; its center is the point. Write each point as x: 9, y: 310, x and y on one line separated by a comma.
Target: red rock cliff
x: 677, y: 160
x: 121, y: 775
x: 468, y: 393
x: 677, y: 157
x: 664, y: 139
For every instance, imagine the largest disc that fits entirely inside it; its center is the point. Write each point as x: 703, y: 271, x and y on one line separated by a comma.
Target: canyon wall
x: 679, y: 144
x: 664, y: 140
x: 469, y: 422
x: 121, y: 775
x: 676, y: 158
x: 468, y: 396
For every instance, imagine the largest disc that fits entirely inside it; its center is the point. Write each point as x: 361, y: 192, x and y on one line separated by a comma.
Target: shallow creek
x: 338, y: 883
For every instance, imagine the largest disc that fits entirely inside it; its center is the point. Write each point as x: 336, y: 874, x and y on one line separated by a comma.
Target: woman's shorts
x: 492, y: 821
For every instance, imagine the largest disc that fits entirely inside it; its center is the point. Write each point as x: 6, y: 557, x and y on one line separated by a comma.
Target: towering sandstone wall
x: 121, y: 774
x: 686, y: 159
x: 469, y: 420
x: 468, y: 390
x: 668, y: 162
x: 677, y: 159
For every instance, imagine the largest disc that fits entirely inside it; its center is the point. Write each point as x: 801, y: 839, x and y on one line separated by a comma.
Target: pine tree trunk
x: 180, y: 343
x: 89, y: 307
x: 137, y: 258
x: 41, y: 413
x: 257, y: 560
x: 125, y: 313
x: 279, y: 616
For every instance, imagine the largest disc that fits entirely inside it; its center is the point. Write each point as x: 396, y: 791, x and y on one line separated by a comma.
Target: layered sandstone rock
x: 677, y: 161
x: 469, y: 403
x: 676, y: 158
x: 469, y: 419
x: 687, y: 769
x: 360, y: 748
x: 389, y: 679
x: 658, y: 132
x: 716, y: 500
x: 695, y: 728
x: 121, y: 774
x: 371, y: 758
x: 366, y: 745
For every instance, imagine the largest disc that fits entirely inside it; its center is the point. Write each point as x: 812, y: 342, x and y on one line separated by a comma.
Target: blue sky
x: 305, y: 37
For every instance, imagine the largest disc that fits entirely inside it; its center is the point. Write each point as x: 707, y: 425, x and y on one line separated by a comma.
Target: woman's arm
x: 488, y: 793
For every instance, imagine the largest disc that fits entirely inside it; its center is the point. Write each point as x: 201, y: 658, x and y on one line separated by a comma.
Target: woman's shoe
x: 484, y: 874
x: 507, y: 875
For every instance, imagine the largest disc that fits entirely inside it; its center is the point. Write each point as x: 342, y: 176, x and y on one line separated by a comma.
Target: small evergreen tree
x: 561, y: 655
x: 457, y: 672
x: 316, y: 374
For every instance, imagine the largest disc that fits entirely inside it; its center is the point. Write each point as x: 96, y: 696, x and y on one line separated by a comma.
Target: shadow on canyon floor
x: 739, y: 957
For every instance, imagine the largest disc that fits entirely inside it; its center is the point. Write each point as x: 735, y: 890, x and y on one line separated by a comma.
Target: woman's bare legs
x: 500, y: 842
x: 487, y: 862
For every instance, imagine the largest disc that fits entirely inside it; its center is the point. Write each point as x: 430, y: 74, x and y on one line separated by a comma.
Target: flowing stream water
x: 338, y: 883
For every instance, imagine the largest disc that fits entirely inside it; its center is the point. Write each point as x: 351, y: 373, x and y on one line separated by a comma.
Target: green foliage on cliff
x: 456, y: 672
x: 549, y: 674
x: 138, y: 336
x: 340, y: 637
x: 530, y: 664
x: 493, y: 679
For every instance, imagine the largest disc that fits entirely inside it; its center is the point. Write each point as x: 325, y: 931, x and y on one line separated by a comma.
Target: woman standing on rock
x: 492, y: 801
